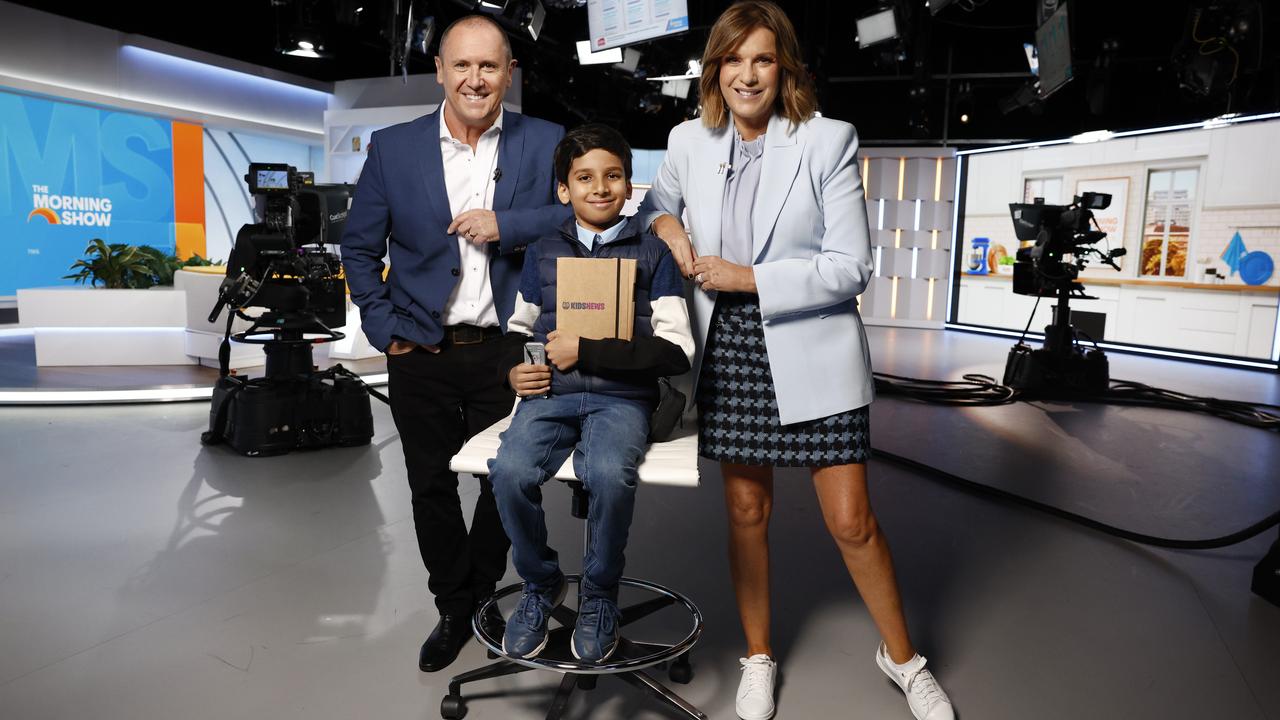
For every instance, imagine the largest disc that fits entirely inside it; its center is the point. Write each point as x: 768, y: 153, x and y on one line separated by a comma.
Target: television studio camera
x: 1065, y: 236
x: 282, y: 265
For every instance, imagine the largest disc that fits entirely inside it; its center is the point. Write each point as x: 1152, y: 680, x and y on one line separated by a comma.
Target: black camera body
x: 282, y: 264
x: 1059, y: 232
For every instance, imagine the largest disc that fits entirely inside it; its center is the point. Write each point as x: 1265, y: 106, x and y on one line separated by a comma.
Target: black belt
x: 469, y: 334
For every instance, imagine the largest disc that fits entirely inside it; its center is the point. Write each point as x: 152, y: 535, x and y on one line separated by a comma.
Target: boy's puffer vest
x: 632, y: 242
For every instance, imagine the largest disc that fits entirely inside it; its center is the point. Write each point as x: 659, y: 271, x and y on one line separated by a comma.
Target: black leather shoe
x: 443, y: 644
x: 492, y: 622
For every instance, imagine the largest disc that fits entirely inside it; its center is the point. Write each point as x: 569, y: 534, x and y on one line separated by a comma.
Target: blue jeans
x: 609, y: 435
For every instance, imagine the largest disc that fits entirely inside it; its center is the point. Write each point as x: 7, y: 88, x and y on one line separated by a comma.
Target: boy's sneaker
x: 595, y: 636
x: 755, y: 691
x: 526, y: 633
x: 927, y: 699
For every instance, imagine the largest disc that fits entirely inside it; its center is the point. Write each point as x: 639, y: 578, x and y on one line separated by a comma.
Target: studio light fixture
x: 677, y: 88
x: 533, y: 19
x: 877, y: 27
x: 527, y: 15
x: 604, y: 57
x: 303, y: 48
x: 965, y: 104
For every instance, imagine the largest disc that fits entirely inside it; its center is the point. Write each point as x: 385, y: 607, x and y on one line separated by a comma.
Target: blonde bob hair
x: 797, y: 100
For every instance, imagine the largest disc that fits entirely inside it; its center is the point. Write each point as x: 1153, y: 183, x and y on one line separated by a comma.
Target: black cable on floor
x: 975, y: 488
x: 1128, y: 392
x: 981, y: 390
x: 974, y: 389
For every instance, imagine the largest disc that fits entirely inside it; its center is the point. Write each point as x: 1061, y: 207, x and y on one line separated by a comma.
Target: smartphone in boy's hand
x: 532, y: 378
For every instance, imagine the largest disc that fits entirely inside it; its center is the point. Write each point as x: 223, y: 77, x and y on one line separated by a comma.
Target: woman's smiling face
x: 749, y: 79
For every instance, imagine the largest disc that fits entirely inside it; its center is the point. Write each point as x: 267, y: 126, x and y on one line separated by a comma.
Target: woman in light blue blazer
x: 778, y: 250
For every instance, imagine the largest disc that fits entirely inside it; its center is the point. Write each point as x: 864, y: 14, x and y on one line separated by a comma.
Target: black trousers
x: 439, y: 400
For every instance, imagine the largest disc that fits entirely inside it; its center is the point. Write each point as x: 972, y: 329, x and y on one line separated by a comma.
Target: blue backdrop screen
x: 70, y: 173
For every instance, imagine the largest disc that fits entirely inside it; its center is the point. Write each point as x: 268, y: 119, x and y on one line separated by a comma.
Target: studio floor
x: 143, y: 576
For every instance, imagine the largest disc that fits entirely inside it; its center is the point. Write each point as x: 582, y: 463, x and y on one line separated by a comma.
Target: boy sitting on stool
x: 599, y: 395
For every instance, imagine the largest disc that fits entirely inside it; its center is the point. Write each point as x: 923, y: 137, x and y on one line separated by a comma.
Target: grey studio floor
x: 142, y: 576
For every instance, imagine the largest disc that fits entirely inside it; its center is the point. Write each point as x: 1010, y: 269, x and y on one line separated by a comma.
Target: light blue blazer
x: 811, y: 247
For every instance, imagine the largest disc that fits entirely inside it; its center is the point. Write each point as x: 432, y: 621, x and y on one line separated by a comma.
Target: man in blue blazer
x: 453, y: 197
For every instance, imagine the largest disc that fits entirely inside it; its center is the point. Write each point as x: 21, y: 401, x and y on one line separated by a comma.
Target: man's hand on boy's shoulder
x: 528, y: 379
x: 562, y: 350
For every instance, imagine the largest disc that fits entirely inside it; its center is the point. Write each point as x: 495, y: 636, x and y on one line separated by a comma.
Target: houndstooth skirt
x: 738, y: 408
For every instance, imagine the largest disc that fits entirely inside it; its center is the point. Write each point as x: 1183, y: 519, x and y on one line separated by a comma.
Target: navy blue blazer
x: 401, y: 207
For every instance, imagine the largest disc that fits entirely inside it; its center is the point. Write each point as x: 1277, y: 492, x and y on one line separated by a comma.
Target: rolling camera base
x: 266, y: 416
x: 1061, y: 369
x: 1051, y: 374
x: 292, y: 407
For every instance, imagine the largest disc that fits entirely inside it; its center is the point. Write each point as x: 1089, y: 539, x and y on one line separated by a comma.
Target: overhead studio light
x: 533, y: 19
x: 693, y: 72
x: 965, y: 104
x: 630, y: 60
x: 303, y: 49
x: 528, y: 15
x: 586, y: 57
x: 878, y: 27
x: 676, y: 88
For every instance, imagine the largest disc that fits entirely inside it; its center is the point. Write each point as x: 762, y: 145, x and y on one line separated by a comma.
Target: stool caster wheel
x: 681, y: 671
x: 587, y: 682
x: 452, y: 707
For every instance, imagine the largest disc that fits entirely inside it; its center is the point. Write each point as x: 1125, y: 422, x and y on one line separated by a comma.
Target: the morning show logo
x: 73, y: 210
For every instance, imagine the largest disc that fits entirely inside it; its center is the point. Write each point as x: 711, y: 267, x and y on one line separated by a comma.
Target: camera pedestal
x: 293, y: 406
x: 1061, y: 369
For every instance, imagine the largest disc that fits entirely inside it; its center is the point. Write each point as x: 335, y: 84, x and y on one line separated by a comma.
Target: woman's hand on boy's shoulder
x: 562, y: 350
x: 671, y: 231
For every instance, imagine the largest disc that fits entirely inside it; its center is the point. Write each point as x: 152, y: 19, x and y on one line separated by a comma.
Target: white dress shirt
x: 468, y: 179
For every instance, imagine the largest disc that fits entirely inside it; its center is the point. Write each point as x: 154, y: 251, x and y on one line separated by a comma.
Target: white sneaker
x: 927, y: 699
x: 755, y: 691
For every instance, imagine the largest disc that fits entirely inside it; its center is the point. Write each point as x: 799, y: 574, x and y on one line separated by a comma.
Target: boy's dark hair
x: 585, y: 138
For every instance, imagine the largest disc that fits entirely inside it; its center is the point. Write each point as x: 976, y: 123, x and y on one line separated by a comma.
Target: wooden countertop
x: 1102, y: 280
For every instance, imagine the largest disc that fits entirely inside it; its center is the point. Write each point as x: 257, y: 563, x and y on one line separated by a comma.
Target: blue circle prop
x: 1256, y: 268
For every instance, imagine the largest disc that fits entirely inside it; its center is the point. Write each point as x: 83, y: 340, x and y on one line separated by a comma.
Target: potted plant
x: 134, y: 267
x: 113, y: 265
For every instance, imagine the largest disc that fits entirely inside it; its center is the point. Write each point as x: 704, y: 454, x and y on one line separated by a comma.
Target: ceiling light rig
x: 299, y: 32
x: 526, y: 16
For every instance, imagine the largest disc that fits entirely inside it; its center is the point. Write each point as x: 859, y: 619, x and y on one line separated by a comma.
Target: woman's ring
x: 698, y: 278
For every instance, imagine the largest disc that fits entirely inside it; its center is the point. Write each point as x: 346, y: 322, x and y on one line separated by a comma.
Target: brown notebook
x: 595, y: 297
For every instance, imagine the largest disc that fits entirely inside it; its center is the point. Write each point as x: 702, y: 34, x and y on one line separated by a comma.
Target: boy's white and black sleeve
x: 529, y: 299
x: 527, y: 309
x: 668, y: 352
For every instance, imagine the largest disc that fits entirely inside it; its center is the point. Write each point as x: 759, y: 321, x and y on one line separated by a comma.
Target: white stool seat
x: 674, y: 462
